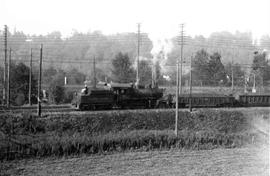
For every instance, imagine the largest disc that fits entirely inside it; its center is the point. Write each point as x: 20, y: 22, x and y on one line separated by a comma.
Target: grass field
x: 226, y: 162
x: 65, y: 134
x: 136, y: 142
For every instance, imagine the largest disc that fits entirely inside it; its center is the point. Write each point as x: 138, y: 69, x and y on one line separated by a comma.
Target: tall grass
x: 80, y: 143
x: 104, y: 122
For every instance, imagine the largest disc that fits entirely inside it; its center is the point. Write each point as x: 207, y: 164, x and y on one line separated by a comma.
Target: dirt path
x: 244, y: 161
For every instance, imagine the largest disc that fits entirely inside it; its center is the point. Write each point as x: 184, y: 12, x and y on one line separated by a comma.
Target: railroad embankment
x: 25, y: 135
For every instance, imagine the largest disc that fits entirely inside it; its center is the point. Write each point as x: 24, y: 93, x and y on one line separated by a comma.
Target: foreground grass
x: 226, y: 162
x: 25, y: 135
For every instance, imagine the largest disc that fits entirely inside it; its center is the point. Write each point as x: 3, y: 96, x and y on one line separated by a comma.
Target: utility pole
x: 254, y: 83
x: 30, y: 78
x: 8, y: 82
x: 138, y: 56
x: 94, y: 65
x: 153, y: 75
x: 177, y: 97
x: 190, y: 86
x: 181, y: 59
x: 39, y: 81
x: 232, y: 77
x: 177, y: 81
x: 5, y: 65
x: 245, y: 84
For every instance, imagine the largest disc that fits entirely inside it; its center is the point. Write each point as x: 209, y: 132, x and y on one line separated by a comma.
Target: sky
x: 158, y: 18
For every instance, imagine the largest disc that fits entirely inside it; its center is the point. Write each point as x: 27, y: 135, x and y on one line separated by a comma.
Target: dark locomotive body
x: 127, y: 96
x: 95, y: 99
x: 115, y: 95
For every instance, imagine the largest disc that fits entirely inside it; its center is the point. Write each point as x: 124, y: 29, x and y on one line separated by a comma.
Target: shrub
x: 69, y: 95
x: 56, y: 88
x: 56, y: 93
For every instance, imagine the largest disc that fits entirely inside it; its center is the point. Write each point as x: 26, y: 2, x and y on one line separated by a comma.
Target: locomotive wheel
x: 81, y: 107
x: 147, y: 105
x: 93, y: 107
x: 162, y: 105
x: 109, y: 107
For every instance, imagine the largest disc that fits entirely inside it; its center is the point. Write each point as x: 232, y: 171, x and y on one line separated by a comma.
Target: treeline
x: 207, y: 70
x: 215, y: 59
x: 79, y: 50
x: 237, y: 48
x: 236, y: 52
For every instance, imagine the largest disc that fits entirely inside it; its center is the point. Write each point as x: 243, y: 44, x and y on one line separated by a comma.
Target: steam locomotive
x: 127, y: 96
x: 118, y: 95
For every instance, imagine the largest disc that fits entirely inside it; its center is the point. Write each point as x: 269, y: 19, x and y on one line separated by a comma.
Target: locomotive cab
x: 95, y: 99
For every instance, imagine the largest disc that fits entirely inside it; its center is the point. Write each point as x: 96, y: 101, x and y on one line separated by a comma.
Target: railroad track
x: 56, y: 108
x: 69, y: 108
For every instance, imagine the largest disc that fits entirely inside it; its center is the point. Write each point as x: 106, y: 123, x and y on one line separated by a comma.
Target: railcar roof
x: 204, y: 95
x: 255, y: 94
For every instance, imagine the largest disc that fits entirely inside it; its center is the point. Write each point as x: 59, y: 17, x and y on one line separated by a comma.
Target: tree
x: 216, y: 70
x: 48, y: 75
x: 122, y: 69
x: 261, y: 67
x: 76, y: 49
x: 75, y: 77
x: 19, y: 84
x: 238, y: 74
x: 200, y: 67
x: 230, y: 46
x: 208, y: 69
x: 56, y: 88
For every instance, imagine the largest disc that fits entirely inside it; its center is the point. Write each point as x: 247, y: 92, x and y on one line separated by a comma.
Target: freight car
x: 251, y: 100
x: 217, y: 100
x: 198, y: 100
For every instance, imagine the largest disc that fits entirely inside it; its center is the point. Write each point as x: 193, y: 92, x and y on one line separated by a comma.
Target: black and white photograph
x: 134, y: 87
